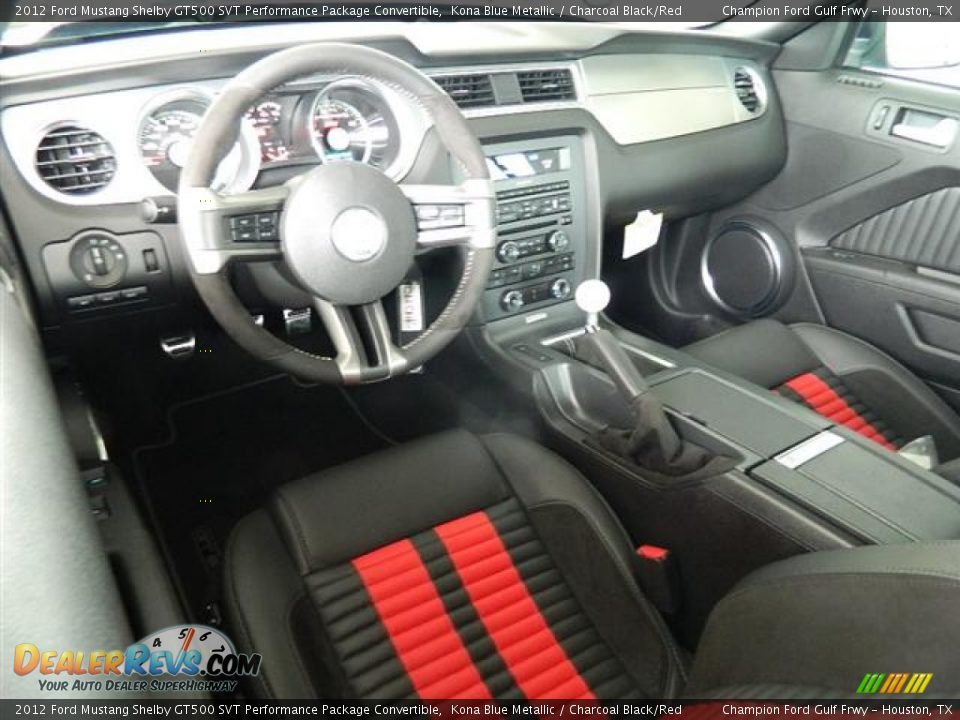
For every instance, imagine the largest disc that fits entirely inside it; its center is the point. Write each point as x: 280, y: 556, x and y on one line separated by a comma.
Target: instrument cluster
x: 347, y: 120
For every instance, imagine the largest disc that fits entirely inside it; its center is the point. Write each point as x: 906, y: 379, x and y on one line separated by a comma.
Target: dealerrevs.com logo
x: 186, y: 658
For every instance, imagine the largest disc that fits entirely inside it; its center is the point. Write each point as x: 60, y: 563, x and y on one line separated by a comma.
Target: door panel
x: 874, y: 217
x: 909, y: 314
x: 883, y: 253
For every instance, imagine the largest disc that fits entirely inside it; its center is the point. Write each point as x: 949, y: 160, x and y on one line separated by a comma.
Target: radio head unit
x: 541, y: 224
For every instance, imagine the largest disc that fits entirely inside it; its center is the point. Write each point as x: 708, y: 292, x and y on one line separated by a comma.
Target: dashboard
x: 583, y: 127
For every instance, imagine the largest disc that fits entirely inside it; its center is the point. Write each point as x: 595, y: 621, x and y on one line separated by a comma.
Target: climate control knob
x: 512, y: 300
x: 560, y: 288
x: 558, y: 241
x: 508, y: 252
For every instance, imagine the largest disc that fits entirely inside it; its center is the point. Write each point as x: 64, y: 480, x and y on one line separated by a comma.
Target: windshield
x: 39, y: 34
x: 26, y: 34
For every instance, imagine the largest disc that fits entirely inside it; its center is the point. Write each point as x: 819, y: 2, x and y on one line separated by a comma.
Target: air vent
x: 745, y: 84
x: 546, y: 85
x: 467, y: 91
x: 75, y: 161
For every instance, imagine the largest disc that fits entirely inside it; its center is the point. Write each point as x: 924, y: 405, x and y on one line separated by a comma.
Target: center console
x: 541, y: 224
x: 791, y: 481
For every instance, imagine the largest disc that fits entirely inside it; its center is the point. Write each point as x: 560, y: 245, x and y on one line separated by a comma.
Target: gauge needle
x: 187, y: 639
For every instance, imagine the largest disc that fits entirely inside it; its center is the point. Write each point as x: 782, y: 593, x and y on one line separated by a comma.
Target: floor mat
x: 226, y: 454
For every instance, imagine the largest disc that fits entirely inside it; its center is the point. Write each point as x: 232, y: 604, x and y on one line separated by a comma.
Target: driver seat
x: 461, y: 567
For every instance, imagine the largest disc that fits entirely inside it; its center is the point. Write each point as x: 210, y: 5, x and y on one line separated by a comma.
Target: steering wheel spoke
x: 453, y: 215
x: 348, y: 326
x: 242, y: 226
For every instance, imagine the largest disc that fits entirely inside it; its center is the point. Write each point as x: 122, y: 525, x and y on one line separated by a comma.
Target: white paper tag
x: 411, y: 308
x: 642, y: 234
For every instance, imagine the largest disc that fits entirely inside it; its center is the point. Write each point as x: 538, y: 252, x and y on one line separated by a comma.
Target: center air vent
x: 546, y: 85
x: 749, y: 89
x: 75, y: 160
x: 467, y: 91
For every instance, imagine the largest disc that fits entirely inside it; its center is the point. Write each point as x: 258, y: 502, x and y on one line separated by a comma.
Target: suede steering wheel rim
x: 347, y: 232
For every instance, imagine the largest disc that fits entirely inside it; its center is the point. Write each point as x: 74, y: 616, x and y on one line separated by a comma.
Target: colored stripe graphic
x: 870, y: 683
x: 821, y: 397
x: 512, y: 619
x: 900, y: 683
x: 421, y: 632
x: 918, y: 683
x: 894, y: 683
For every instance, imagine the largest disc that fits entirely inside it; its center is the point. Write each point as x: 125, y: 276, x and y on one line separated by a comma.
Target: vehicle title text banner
x: 670, y: 11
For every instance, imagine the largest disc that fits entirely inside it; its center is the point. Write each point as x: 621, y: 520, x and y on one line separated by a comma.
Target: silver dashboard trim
x: 118, y: 116
x: 249, y: 144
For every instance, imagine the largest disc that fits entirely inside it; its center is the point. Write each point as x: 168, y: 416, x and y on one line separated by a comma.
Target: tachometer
x: 166, y: 136
x: 339, y: 131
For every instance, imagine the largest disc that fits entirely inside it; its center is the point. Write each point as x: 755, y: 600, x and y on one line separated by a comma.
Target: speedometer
x: 166, y: 136
x: 339, y: 131
x: 350, y: 119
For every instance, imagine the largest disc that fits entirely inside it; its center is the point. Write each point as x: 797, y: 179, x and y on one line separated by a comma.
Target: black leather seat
x: 458, y: 566
x: 841, y: 377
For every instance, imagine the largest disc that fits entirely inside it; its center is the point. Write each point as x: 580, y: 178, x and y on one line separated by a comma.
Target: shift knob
x: 592, y: 297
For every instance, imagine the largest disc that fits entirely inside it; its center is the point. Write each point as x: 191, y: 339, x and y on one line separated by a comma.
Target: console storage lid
x: 873, y: 494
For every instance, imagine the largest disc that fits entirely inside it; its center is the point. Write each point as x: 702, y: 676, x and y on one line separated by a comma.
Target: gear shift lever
x: 652, y: 443
x: 592, y: 297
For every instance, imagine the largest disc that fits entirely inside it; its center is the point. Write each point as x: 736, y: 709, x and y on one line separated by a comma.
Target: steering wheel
x: 347, y: 232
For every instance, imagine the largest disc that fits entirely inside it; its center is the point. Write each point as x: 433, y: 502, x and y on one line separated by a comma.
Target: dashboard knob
x: 508, y: 252
x: 98, y: 260
x: 512, y: 300
x: 560, y: 288
x: 558, y: 241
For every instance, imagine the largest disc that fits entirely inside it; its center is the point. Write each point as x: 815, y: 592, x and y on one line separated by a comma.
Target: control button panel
x: 542, y: 226
x: 97, y: 271
x: 513, y: 300
x: 527, y: 271
x: 532, y: 207
x: 112, y: 297
x: 255, y: 227
x: 510, y: 251
x: 434, y: 217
